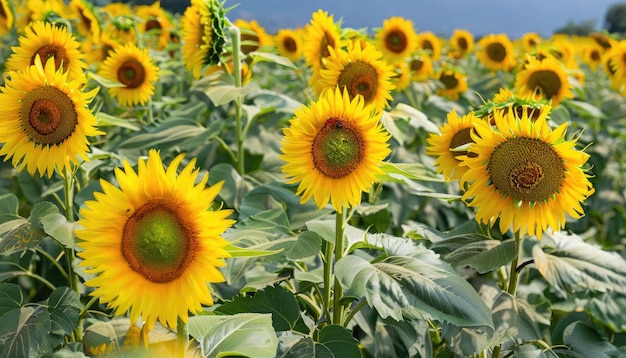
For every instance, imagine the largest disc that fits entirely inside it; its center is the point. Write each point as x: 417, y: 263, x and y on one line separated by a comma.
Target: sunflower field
x: 190, y: 185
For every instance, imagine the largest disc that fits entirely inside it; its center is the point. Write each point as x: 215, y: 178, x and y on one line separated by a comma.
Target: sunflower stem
x: 68, y: 188
x: 182, y: 338
x: 337, y: 289
x: 328, y: 264
x: 513, y: 279
x: 239, y: 135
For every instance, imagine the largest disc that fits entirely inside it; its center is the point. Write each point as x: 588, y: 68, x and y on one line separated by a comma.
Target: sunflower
x: 132, y: 67
x: 320, y: 34
x: 591, y: 55
x: 496, y: 52
x: 421, y: 67
x: 397, y: 39
x: 334, y: 149
x: 47, y: 41
x: 530, y: 41
x: 152, y: 239
x: 453, y: 81
x: 289, y: 44
x: 429, y: 43
x: 96, y: 51
x: 525, y: 174
x: 506, y: 100
x: 359, y: 70
x: 462, y: 41
x: 544, y: 79
x: 154, y: 24
x: 45, y: 121
x: 449, y: 145
x: 88, y: 22
x: 7, y: 16
x: 202, y: 27
x: 401, y: 78
x: 48, y: 10
x: 253, y: 35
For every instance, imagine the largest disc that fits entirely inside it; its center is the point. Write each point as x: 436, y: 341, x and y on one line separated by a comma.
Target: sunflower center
x: 157, y: 243
x: 396, y: 41
x: 461, y: 138
x: 153, y: 24
x: 526, y: 169
x: 359, y: 78
x: 545, y: 82
x: 417, y: 64
x: 337, y: 149
x: 131, y: 73
x: 496, y: 52
x: 290, y: 44
x: 595, y: 55
x: 327, y: 40
x: 462, y: 44
x: 84, y: 20
x: 48, y: 51
x: 48, y: 115
x: 449, y: 80
x: 427, y: 45
x: 250, y: 42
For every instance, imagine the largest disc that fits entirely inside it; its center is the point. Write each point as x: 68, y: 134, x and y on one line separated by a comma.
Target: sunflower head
x: 506, y: 100
x: 462, y: 41
x: 421, y: 67
x: 496, y: 52
x: 429, y: 43
x: 334, y: 149
x: 544, y: 79
x: 155, y: 24
x: 46, y: 121
x: 253, y: 35
x: 202, y: 27
x: 7, y: 16
x: 450, y: 145
x: 289, y: 43
x: 320, y: 34
x: 530, y: 41
x: 397, y: 39
x: 453, y: 82
x: 524, y: 174
x: 87, y: 19
x: 152, y: 237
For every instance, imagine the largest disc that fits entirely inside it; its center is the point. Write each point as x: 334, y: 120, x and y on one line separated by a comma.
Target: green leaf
x: 107, y: 120
x: 281, y: 303
x: 11, y: 297
x: 416, y: 286
x: 270, y: 57
x: 64, y: 307
x: 608, y: 311
x: 585, y: 340
x: 324, y: 228
x: 417, y: 118
x: 413, y: 171
x: 17, y: 235
x: 24, y: 332
x: 245, y: 334
x: 308, y: 244
x: 333, y: 341
x: 235, y: 251
x: 482, y: 255
x: 57, y: 226
x: 571, y: 265
x: 9, y: 205
x: 222, y: 94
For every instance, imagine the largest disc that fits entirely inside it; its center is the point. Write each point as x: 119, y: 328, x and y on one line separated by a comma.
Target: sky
x: 480, y: 17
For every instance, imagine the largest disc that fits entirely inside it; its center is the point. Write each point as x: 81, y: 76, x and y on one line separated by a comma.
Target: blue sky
x: 514, y: 17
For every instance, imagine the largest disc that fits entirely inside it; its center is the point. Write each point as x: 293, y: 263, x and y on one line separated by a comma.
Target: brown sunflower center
x: 48, y: 115
x: 449, y: 80
x: 526, y: 169
x: 461, y: 138
x: 249, y: 42
x: 84, y: 20
x: 359, y: 78
x: 496, y: 52
x: 427, y: 45
x: 157, y: 242
x: 153, y: 24
x: 290, y: 45
x: 338, y: 148
x: 48, y: 51
x: 131, y: 73
x: 461, y: 42
x: 3, y: 14
x: 547, y: 83
x: 595, y: 55
x: 396, y: 41
x: 327, y: 40
x: 416, y: 65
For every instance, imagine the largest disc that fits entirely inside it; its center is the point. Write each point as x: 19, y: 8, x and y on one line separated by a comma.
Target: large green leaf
x: 9, y: 204
x: 484, y: 255
x: 608, y: 310
x: 417, y: 286
x: 332, y: 341
x: 11, y: 297
x: 245, y: 334
x: 64, y: 306
x: 281, y: 303
x: 308, y: 244
x: 585, y: 340
x: 17, y: 235
x: 24, y: 332
x: 571, y: 265
x: 45, y: 216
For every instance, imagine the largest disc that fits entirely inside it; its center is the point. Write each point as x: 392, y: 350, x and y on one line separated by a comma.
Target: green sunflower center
x: 47, y: 52
x: 157, y: 243
x: 496, y: 52
x: 338, y: 148
x: 359, y: 78
x: 290, y: 45
x: 131, y: 73
x: 449, y: 80
x: 396, y: 41
x: 48, y: 115
x: 545, y: 82
x: 526, y: 169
